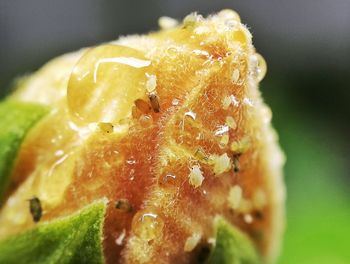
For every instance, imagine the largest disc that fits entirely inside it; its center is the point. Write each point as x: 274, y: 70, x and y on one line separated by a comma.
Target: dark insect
x: 35, y: 208
x: 202, y: 254
x: 154, y: 99
x: 123, y: 205
x: 258, y: 215
x: 236, y: 167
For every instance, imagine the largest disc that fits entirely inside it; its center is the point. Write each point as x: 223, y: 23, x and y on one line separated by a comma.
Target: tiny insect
x: 35, y: 209
x: 123, y: 205
x: 154, y: 99
x: 236, y: 167
x: 105, y: 127
x: 143, y: 106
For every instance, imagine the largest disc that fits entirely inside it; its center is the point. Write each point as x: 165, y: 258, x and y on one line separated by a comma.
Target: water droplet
x: 114, y: 77
x: 172, y: 52
x: 191, y: 114
x: 258, y: 67
x: 175, y: 102
x: 229, y: 15
x: 146, y: 121
x: 131, y: 161
x: 165, y: 22
x: 147, y: 225
x: 57, y: 163
x: 221, y: 130
x: 167, y: 180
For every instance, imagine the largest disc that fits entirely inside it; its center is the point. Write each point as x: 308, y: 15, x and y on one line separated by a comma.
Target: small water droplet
x: 165, y: 22
x: 146, y: 121
x: 221, y: 130
x: 131, y: 161
x: 172, y: 52
x: 175, y: 102
x: 191, y: 114
x: 258, y: 67
x: 147, y: 225
x: 167, y: 180
x: 229, y: 15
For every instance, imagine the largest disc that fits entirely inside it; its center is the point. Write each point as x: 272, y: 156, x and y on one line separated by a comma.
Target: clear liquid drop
x: 105, y: 82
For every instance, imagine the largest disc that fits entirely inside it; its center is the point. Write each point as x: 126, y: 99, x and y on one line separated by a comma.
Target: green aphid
x: 35, y: 209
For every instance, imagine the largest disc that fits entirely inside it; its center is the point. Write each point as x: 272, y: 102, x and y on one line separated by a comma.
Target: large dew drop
x: 105, y: 83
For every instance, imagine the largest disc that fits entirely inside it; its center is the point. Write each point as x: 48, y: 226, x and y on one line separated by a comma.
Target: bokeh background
x: 307, y: 47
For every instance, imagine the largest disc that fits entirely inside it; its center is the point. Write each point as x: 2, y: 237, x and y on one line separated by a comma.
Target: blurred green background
x: 307, y: 47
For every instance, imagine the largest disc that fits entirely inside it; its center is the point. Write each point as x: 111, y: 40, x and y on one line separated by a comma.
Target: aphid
x: 192, y: 242
x: 220, y: 163
x: 196, y: 176
x: 123, y: 205
x: 201, y: 155
x: 240, y: 146
x: 35, y: 209
x: 135, y: 112
x: 105, y: 127
x: 236, y: 167
x: 143, y: 106
x: 154, y: 99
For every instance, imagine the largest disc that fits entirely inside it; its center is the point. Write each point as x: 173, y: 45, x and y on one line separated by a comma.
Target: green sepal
x: 16, y: 118
x: 73, y: 239
x: 232, y: 246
